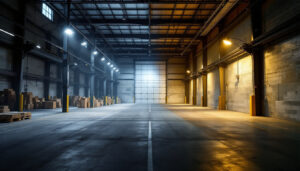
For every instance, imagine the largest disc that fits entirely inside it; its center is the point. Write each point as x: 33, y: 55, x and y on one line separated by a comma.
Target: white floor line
x: 150, y: 161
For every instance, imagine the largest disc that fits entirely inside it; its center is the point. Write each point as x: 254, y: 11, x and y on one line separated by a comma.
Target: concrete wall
x: 276, y: 12
x: 34, y: 86
x: 213, y: 88
x: 199, y: 90
x: 175, y: 81
x: 282, y: 79
x: 239, y: 84
x: 126, y: 80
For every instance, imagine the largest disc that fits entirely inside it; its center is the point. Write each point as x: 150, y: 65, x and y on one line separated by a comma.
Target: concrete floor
x: 118, y: 137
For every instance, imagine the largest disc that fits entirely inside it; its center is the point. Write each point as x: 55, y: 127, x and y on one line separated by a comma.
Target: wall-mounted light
x: 227, y: 42
x: 102, y: 59
x: 111, y: 65
x: 188, y: 71
x: 95, y: 52
x: 69, y: 31
x: 117, y: 70
x: 84, y: 44
x: 108, y: 63
x: 38, y: 46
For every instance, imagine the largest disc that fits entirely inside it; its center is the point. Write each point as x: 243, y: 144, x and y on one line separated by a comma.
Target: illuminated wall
x: 150, y: 82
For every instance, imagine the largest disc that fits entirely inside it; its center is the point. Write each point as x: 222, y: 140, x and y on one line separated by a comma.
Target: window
x: 47, y: 11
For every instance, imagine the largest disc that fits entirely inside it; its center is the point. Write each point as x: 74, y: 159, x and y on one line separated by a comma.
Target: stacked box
x: 8, y: 98
x: 49, y: 104
x: 118, y: 100
x: 83, y: 102
x: 28, y: 106
x: 4, y: 109
x: 58, y: 103
x: 109, y: 101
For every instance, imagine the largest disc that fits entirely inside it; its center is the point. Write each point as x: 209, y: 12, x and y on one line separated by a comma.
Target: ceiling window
x: 47, y: 11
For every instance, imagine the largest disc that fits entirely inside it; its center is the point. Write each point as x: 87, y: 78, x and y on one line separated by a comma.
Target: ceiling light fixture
x: 84, y: 44
x: 95, y: 52
x: 69, y: 32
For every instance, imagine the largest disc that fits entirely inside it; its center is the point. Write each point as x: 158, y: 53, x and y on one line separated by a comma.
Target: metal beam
x: 146, y: 36
x: 258, y: 57
x: 65, y: 74
x: 145, y: 22
x: 134, y: 2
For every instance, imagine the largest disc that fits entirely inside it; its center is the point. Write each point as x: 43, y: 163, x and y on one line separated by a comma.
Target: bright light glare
x: 102, y: 59
x: 117, y: 70
x: 6, y: 32
x: 84, y: 43
x: 108, y: 63
x: 95, y: 52
x: 111, y: 65
x: 38, y: 46
x: 69, y: 31
x: 227, y: 42
x: 188, y: 71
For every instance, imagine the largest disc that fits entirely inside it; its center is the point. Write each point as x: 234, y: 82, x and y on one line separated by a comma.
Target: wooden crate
x: 14, y: 116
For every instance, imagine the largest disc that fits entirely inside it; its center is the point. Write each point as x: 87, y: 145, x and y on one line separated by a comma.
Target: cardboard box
x: 8, y: 98
x: 28, y: 106
x: 4, y: 109
x: 49, y: 104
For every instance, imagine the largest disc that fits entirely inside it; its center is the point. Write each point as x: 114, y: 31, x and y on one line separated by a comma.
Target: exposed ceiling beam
x: 145, y: 36
x: 135, y: 2
x: 144, y: 9
x: 145, y: 46
x: 139, y: 21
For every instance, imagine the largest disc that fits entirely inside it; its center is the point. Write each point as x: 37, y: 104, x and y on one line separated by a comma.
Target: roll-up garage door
x: 150, y: 82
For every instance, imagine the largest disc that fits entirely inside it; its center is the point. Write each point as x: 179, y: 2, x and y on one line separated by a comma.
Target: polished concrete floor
x: 149, y: 138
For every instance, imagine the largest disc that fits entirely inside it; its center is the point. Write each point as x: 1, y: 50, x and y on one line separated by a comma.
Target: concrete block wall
x: 282, y: 79
x: 239, y: 84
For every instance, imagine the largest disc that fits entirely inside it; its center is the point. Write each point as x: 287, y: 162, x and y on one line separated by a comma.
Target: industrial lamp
x: 248, y: 47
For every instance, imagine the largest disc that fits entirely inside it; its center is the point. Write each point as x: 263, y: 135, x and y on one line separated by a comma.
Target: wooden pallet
x: 14, y: 116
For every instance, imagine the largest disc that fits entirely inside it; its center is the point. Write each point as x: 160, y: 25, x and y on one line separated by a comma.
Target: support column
x: 258, y: 59
x: 86, y: 87
x: 194, y: 57
x: 59, y: 84
x: 222, y: 97
x: 46, y: 81
x: 19, y: 55
x: 65, y: 74
x: 204, y: 75
x: 76, y: 82
x: 92, y: 79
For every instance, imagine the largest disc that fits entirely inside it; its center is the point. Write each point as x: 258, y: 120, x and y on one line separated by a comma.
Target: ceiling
x: 131, y: 28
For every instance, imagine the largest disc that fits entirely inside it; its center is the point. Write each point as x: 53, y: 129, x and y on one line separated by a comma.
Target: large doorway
x: 150, y: 82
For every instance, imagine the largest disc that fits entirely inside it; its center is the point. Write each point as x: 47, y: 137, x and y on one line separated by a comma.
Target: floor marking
x: 150, y: 161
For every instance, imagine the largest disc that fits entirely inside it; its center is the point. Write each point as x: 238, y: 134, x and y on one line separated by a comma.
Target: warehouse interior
x: 150, y: 85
